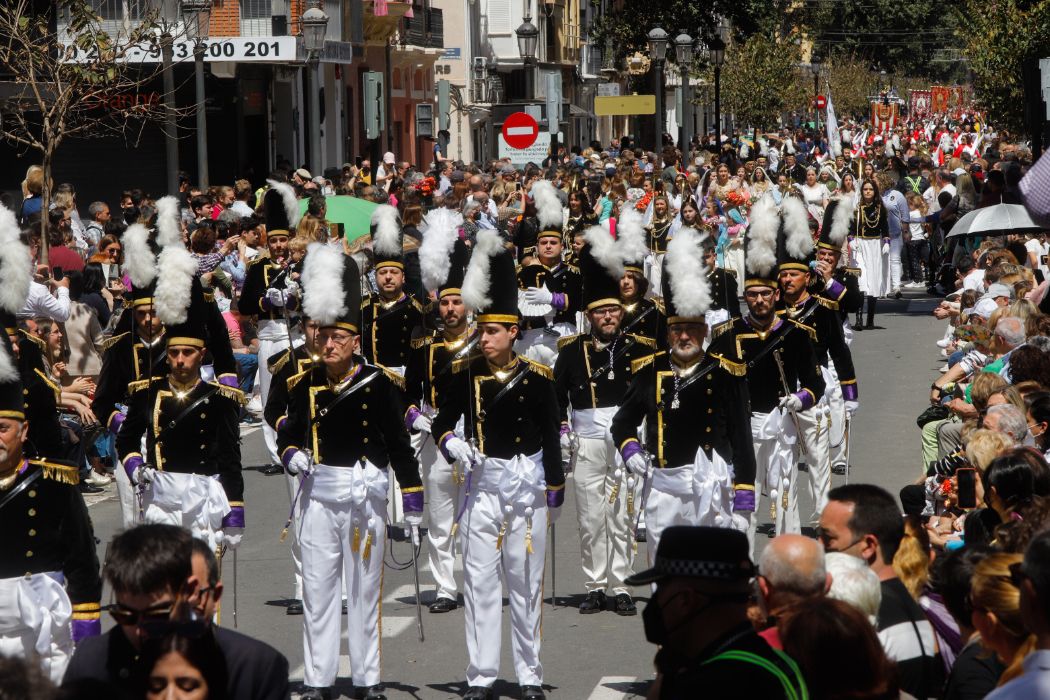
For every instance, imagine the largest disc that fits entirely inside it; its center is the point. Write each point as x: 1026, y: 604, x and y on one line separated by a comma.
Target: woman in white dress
x: 871, y: 248
x: 815, y: 194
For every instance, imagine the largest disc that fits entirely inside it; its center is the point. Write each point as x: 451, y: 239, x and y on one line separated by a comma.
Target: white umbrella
x: 996, y: 220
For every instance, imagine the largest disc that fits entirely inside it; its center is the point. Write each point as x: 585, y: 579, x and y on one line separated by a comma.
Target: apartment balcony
x: 426, y: 29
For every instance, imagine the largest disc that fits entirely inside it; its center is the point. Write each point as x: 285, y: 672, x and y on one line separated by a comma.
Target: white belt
x: 774, y: 426
x: 364, y: 485
x: 37, y: 602
x: 708, y: 479
x: 272, y: 329
x: 198, y: 497
x: 518, y: 481
x: 593, y: 423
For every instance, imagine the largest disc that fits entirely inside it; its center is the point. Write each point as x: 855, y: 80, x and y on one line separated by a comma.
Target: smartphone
x: 57, y: 273
x: 341, y: 227
x: 966, y: 483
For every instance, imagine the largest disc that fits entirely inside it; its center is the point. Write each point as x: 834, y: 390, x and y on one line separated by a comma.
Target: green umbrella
x: 353, y: 213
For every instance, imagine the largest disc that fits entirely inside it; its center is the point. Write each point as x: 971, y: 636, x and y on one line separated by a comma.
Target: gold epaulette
x: 422, y: 341
x: 296, y: 378
x: 540, y: 369
x: 55, y: 388
x: 36, y: 340
x: 737, y: 369
x: 111, y: 341
x: 209, y: 297
x: 827, y: 303
x: 566, y: 340
x: 809, y: 329
x: 643, y: 340
x: 659, y: 304
x: 855, y: 271
x: 721, y: 328
x: 278, y: 364
x: 573, y: 268
x: 231, y: 392
x: 62, y: 473
x: 643, y: 362
x: 420, y: 307
x: 142, y: 384
x: 257, y: 259
x: 394, y: 377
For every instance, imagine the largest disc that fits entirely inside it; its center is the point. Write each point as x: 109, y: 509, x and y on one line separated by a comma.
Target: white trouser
x: 896, y: 244
x: 443, y: 484
x: 35, y: 615
x: 654, y: 266
x: 605, y: 502
x: 509, y: 547
x: 734, y: 260
x: 129, y: 509
x: 814, y: 423
x: 297, y: 551
x: 193, y: 501
x: 833, y: 399
x: 695, y: 494
x: 342, y: 534
x: 542, y: 346
x: 273, y: 336
x: 774, y: 437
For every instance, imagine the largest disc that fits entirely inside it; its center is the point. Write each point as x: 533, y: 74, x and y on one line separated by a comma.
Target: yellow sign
x: 625, y: 104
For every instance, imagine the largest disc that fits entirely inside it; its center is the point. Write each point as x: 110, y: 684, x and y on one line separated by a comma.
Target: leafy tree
x: 760, y: 79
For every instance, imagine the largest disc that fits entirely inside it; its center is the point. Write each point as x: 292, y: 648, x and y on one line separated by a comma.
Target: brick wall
x: 226, y: 19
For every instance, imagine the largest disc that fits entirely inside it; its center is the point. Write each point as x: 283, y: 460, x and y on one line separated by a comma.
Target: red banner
x: 940, y: 98
x: 919, y: 104
x: 884, y: 117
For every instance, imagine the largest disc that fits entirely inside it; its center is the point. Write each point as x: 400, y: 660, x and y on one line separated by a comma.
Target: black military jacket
x: 584, y: 377
x: 366, y: 425
x: 125, y: 359
x: 46, y: 528
x: 283, y: 368
x: 387, y: 329
x: 713, y: 414
x: 262, y: 274
x: 741, y: 342
x: 523, y: 421
x: 430, y: 369
x: 842, y: 293
x: 656, y: 232
x: 562, y: 278
x: 724, y: 291
x: 206, y: 441
x: 646, y: 317
x: 827, y: 337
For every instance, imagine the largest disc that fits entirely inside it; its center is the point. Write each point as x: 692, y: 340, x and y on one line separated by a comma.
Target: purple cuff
x: 630, y: 450
x: 287, y: 456
x: 229, y: 380
x: 806, y: 398
x: 131, y: 464
x: 235, y: 518
x: 744, y: 500
x: 412, y: 502
x: 885, y: 241
x: 850, y: 392
x: 444, y: 452
x: 834, y: 288
x: 116, y: 422
x: 82, y: 629
x: 555, y: 498
x: 410, y: 417
x: 564, y: 429
x: 559, y: 301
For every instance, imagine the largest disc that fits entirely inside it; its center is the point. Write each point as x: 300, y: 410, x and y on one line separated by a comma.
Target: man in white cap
x: 386, y: 171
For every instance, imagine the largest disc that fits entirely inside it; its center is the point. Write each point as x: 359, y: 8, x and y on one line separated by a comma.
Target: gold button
x: 364, y: 440
x: 707, y: 429
x: 707, y: 447
x: 364, y: 422
x: 710, y: 410
x: 203, y: 416
x: 517, y: 439
x: 32, y: 512
x: 29, y: 553
x: 709, y: 391
x: 204, y: 447
x: 368, y: 389
x: 32, y: 533
x: 709, y: 377
x: 520, y: 399
x: 364, y: 405
x: 524, y: 381
x: 32, y: 493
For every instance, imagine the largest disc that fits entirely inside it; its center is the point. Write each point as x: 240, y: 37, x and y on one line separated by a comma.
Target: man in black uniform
x: 49, y: 580
x: 516, y: 484
x: 550, y: 300
x: 190, y: 474
x: 825, y: 329
x: 343, y: 429
x: 270, y: 292
x: 41, y: 393
x: 284, y: 365
x: 698, y: 619
x: 723, y: 286
x: 696, y: 412
x: 641, y: 315
x: 782, y: 371
x: 430, y: 371
x: 592, y: 375
x: 390, y: 318
x: 794, y: 170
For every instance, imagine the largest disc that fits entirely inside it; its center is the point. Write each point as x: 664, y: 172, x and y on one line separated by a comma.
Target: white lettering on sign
x: 241, y: 49
x: 533, y: 154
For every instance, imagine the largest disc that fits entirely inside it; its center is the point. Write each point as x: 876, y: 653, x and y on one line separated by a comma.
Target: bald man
x: 791, y: 571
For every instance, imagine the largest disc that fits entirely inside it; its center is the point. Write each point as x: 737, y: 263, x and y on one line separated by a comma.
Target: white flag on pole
x: 834, y: 142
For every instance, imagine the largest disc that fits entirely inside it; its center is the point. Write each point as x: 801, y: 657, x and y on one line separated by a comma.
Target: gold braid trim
x: 38, y: 341
x: 394, y: 377
x: 643, y: 340
x: 278, y: 364
x: 540, y: 369
x: 659, y: 304
x: 721, y: 328
x: 737, y: 369
x: 827, y: 303
x: 62, y: 473
x: 142, y: 384
x: 232, y: 393
x: 296, y: 378
x: 643, y: 362
x: 562, y: 342
x: 422, y: 342
x: 809, y: 329
x: 111, y: 341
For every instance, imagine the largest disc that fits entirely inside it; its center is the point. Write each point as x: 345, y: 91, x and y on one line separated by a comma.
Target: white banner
x: 271, y: 49
x: 834, y: 142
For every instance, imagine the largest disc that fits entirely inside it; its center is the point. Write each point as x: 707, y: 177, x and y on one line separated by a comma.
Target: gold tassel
x: 773, y: 510
x: 528, y: 536
x: 357, y: 539
x: 502, y: 532
x: 454, y: 530
x: 784, y: 500
x: 368, y: 547
x: 614, y: 493
x: 284, y: 534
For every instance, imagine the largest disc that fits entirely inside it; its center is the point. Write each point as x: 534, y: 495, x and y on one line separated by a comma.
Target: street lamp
x: 196, y: 17
x: 528, y: 40
x: 658, y: 40
x: 169, y: 11
x: 717, y: 54
x: 313, y: 24
x: 683, y: 46
x: 815, y: 66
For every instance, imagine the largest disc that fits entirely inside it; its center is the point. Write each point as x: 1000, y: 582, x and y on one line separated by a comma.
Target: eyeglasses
x: 123, y: 615
x: 339, y: 339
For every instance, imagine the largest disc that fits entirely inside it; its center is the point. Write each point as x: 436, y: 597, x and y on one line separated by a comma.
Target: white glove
x: 422, y: 423
x: 566, y: 448
x: 414, y: 520
x: 291, y: 289
x: 299, y: 464
x: 637, y: 465
x: 885, y: 248
x: 851, y: 407
x: 791, y: 403
x: 143, y: 475
x: 740, y: 522
x: 275, y: 297
x: 232, y: 536
x: 460, y: 450
x: 538, y: 295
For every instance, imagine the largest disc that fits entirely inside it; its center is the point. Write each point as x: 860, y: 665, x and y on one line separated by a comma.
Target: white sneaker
x: 97, y: 479
x: 944, y: 370
x: 944, y: 342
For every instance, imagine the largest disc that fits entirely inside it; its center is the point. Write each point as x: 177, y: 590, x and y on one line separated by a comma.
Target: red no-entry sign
x: 520, y: 130
x: 822, y: 102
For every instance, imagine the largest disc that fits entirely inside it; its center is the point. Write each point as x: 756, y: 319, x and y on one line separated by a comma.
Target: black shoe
x: 639, y: 535
x: 839, y: 468
x: 316, y: 693
x: 375, y: 692
x: 802, y: 467
x: 532, y: 692
x: 897, y: 294
x: 89, y: 488
x: 593, y: 603
x: 478, y: 693
x: 870, y: 326
x: 858, y: 327
x: 272, y: 469
x: 344, y: 606
x: 443, y: 605
x: 624, y: 605
x: 294, y: 608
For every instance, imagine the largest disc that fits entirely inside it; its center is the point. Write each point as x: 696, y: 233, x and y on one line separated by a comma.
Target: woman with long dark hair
x: 872, y: 249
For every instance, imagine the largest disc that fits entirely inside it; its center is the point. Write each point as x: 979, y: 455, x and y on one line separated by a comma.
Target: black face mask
x: 656, y: 632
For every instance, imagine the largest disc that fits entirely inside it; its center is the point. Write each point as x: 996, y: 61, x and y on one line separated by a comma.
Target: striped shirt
x: 907, y: 638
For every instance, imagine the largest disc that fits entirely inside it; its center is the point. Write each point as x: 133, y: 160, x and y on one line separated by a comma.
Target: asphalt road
x: 594, y: 657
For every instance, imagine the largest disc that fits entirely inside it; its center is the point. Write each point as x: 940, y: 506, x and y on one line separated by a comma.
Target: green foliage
x: 760, y: 79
